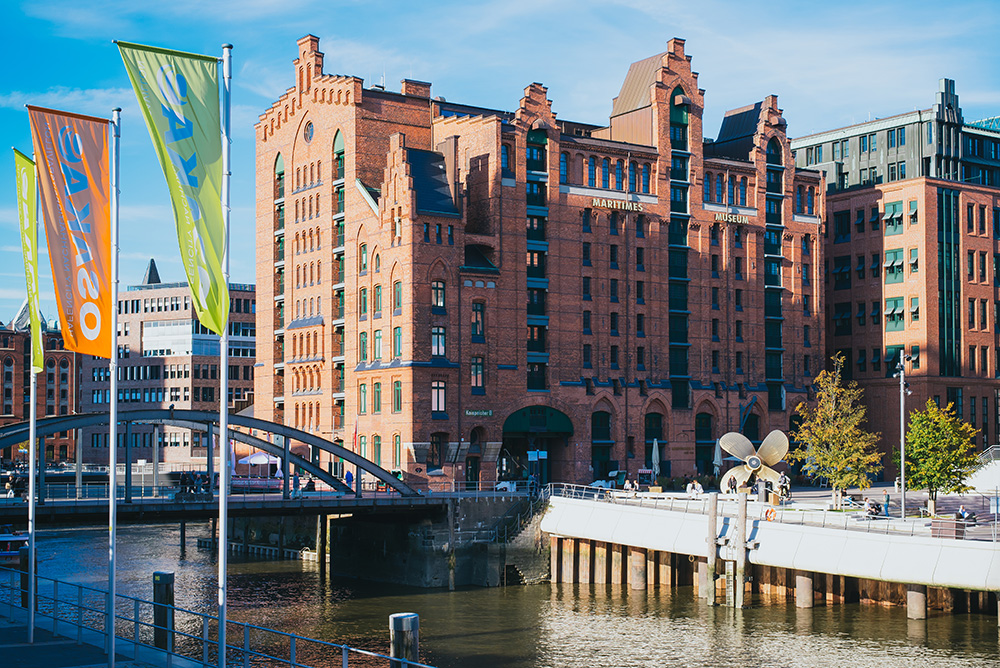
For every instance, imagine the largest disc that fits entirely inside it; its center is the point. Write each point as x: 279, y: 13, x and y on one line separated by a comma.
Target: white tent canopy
x: 260, y: 458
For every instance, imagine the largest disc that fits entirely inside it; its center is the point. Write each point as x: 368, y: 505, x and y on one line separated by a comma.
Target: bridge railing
x: 857, y: 520
x: 185, y: 637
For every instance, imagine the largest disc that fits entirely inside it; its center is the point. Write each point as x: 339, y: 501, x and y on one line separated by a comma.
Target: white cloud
x: 94, y: 101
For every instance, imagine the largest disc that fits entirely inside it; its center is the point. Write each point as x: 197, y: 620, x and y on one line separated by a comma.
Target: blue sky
x: 831, y: 64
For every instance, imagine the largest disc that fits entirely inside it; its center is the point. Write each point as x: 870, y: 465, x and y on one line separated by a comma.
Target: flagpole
x: 227, y: 74
x: 113, y: 403
x: 32, y: 450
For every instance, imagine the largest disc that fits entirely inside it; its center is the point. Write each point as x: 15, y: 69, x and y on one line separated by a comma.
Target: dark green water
x: 526, y: 627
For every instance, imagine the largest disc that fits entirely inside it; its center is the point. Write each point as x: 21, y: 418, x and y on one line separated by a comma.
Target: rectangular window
x: 586, y: 254
x: 363, y: 346
x: 640, y: 358
x: 894, y: 317
x: 640, y: 292
x: 586, y: 322
x: 613, y: 324
x: 362, y: 398
x: 715, y: 298
x: 614, y: 357
x: 477, y: 368
x: 586, y: 289
x: 363, y: 302
x: 894, y: 266
x: 376, y: 397
x: 397, y: 342
x: 377, y: 345
x: 613, y: 289
x: 397, y: 295
x: 914, y: 309
x: 438, y: 341
x: 983, y: 317
x: 587, y: 356
x: 478, y: 326
x: 397, y: 396
x: 972, y: 314
x: 438, y: 397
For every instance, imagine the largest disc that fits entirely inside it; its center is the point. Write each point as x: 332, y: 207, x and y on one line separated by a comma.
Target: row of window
x: 893, y: 265
x: 376, y: 299
x: 307, y: 242
x: 375, y: 455
x: 867, y: 143
x: 715, y: 189
x: 894, y: 313
x: 863, y: 360
x: 603, y: 173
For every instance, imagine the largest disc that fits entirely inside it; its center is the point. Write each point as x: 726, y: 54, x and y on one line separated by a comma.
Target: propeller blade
x: 737, y: 445
x: 774, y: 448
x: 769, y: 474
x: 741, y: 473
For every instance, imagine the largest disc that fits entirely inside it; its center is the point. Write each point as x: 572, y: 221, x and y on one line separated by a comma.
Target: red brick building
x: 57, y: 391
x: 465, y: 293
x: 913, y: 261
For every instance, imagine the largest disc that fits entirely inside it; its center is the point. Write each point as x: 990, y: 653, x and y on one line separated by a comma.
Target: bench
x: 947, y: 528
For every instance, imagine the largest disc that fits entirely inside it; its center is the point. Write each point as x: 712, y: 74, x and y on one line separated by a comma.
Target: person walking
x: 296, y: 491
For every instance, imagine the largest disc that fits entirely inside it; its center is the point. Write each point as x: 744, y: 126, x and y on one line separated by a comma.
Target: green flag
x: 179, y: 96
x: 24, y: 170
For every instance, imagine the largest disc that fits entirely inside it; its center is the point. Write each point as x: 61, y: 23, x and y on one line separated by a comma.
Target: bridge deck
x: 887, y: 551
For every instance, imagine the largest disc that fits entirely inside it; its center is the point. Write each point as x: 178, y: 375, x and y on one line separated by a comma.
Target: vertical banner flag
x: 179, y: 96
x: 74, y: 176
x: 24, y: 170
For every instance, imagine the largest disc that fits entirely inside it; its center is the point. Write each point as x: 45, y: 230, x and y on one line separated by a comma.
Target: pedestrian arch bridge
x: 208, y: 422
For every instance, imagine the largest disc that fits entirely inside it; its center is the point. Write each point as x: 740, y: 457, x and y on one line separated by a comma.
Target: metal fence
x: 184, y: 638
x: 849, y: 520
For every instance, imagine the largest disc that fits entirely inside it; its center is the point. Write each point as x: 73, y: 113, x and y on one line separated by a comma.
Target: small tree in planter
x: 834, y: 444
x: 939, y: 451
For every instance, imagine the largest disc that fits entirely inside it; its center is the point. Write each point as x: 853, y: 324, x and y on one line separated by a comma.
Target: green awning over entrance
x: 537, y: 420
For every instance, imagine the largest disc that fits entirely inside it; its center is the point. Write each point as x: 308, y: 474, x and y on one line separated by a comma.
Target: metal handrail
x: 990, y: 454
x: 827, y: 519
x: 75, y: 609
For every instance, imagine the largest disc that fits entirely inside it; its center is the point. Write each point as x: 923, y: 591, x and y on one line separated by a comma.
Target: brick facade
x: 545, y: 302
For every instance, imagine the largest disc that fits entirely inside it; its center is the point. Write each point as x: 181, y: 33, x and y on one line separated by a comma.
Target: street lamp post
x: 903, y: 392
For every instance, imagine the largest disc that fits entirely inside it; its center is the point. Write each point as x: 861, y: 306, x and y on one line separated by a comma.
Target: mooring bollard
x: 712, y: 539
x: 163, y: 610
x: 404, y: 637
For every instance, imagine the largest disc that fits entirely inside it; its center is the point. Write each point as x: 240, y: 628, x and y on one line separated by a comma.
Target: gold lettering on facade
x: 617, y: 204
x: 732, y: 218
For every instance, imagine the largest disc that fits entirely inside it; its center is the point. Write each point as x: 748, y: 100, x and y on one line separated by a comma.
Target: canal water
x: 538, y: 626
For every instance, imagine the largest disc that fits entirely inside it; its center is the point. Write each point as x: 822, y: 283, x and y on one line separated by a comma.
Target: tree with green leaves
x: 834, y: 443
x: 940, y: 453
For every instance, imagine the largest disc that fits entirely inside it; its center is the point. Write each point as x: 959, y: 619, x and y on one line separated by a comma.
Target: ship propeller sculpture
x: 756, y: 462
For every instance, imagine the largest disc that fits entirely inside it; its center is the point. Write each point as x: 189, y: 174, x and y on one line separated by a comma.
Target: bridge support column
x: 600, y: 563
x: 637, y: 568
x: 616, y: 563
x: 702, y: 566
x: 183, y: 532
x: 710, y: 551
x: 321, y: 541
x: 569, y: 560
x: 583, y: 562
x: 555, y: 560
x: 916, y: 601
x: 740, y: 538
x: 803, y: 589
x: 665, y: 568
x: 652, y: 568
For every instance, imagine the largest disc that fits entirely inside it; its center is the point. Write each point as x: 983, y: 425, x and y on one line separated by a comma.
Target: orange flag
x: 74, y: 181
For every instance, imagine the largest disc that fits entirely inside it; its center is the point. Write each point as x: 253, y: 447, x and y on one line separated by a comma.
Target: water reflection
x: 526, y: 627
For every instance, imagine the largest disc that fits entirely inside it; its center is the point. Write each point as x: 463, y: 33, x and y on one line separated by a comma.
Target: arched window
x: 592, y: 172
x: 338, y: 156
x: 437, y: 294
x: 363, y: 257
x: 678, y: 120
x: 619, y: 175
x: 798, y: 199
x: 707, y: 196
x: 279, y: 177
x: 743, y: 191
x: 397, y: 451
x: 377, y: 449
x: 504, y: 157
x: 435, y: 453
x: 653, y: 432
x: 645, y: 178
x: 378, y: 263
x: 719, y: 194
x: 600, y: 426
x: 704, y: 429
x: 606, y: 173
x: 633, y: 175
x: 774, y: 152
x: 732, y: 191
x: 810, y: 201
x: 563, y: 168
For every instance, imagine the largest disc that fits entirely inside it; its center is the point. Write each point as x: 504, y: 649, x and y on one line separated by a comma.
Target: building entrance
x: 531, y: 436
